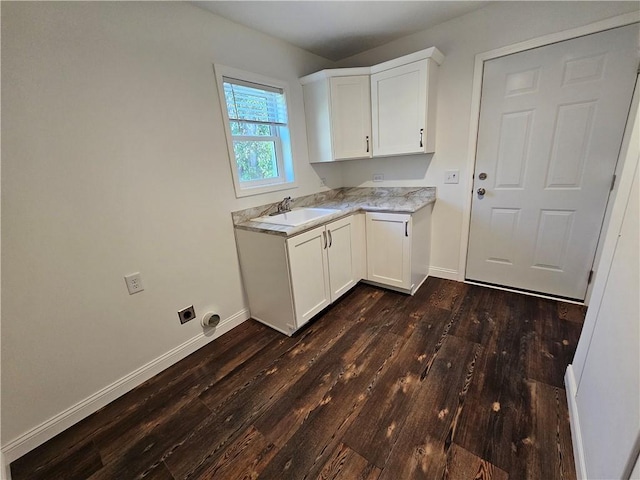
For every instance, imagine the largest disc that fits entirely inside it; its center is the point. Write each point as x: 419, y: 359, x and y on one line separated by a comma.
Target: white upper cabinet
x: 338, y: 116
x: 350, y: 117
x: 384, y: 110
x: 403, y: 104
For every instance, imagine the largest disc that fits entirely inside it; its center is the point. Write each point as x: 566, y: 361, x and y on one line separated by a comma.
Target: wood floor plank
x: 552, y: 443
x: 232, y: 414
x: 476, y: 319
x: 158, y: 471
x: 420, y: 451
x: 345, y: 464
x: 498, y: 426
x: 455, y: 382
x: 552, y: 346
x: 306, y: 452
x: 145, y: 455
x: 571, y: 312
x: 445, y: 294
x: 462, y: 464
x: 245, y: 458
x: 374, y: 432
x: 279, y: 422
x: 79, y: 464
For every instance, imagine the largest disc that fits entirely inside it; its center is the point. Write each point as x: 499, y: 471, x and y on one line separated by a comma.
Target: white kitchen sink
x: 296, y: 217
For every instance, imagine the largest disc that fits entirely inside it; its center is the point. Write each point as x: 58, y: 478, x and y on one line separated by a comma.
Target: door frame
x: 476, y: 95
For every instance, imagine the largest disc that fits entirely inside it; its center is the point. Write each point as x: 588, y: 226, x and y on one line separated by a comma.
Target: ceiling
x: 339, y: 29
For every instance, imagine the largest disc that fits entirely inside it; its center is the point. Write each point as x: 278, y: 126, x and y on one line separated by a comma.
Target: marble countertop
x: 346, y: 200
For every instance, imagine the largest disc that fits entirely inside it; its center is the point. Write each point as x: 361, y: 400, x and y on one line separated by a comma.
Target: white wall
x: 499, y: 24
x: 114, y: 161
x: 603, y: 384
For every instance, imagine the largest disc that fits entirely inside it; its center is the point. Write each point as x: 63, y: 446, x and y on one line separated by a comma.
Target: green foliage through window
x: 256, y: 160
x: 256, y: 115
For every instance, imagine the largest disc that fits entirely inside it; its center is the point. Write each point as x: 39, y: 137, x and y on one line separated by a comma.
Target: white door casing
x: 551, y: 124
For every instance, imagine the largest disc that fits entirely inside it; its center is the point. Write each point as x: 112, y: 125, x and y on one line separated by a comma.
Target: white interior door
x: 551, y: 124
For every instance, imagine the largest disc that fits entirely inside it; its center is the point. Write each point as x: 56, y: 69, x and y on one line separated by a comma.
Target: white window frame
x: 282, y: 139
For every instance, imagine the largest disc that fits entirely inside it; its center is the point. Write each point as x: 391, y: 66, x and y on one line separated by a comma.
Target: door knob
x: 481, y: 191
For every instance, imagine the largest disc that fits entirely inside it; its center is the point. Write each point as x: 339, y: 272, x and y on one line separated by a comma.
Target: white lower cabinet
x: 389, y: 249
x: 398, y: 249
x: 289, y: 280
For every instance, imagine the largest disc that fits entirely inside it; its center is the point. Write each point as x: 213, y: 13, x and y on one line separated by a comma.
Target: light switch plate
x: 451, y: 176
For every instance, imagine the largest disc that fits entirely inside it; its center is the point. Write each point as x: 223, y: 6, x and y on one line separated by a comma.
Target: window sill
x: 275, y: 187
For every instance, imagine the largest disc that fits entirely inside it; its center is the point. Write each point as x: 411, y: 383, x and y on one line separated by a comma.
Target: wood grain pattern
x: 345, y: 463
x: 462, y: 464
x: 456, y: 382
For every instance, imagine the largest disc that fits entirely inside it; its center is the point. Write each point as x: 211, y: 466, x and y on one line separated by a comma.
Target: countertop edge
x: 286, y: 231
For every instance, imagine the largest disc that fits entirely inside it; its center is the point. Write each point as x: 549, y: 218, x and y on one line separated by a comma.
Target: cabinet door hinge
x: 590, y: 277
x: 613, y: 182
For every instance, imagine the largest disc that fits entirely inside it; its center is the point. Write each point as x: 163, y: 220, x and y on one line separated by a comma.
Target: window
x: 256, y: 122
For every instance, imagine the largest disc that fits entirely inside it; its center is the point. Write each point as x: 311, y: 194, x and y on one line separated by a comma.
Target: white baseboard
x: 5, y: 471
x: 574, y: 420
x: 446, y: 273
x: 60, y: 422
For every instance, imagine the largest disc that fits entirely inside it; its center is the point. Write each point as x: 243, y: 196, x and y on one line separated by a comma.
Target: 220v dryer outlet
x: 186, y: 314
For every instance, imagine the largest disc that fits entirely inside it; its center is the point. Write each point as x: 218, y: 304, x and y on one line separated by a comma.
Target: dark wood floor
x: 457, y: 382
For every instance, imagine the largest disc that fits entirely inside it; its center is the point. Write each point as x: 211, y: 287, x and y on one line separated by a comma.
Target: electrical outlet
x: 186, y: 314
x: 378, y: 177
x: 134, y: 283
x: 323, y: 182
x: 451, y: 176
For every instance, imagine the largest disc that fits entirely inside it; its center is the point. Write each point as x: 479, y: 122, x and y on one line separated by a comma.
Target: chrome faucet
x: 285, y: 205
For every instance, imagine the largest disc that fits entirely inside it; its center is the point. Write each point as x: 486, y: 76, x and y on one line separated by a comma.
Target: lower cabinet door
x: 389, y: 249
x: 342, y: 268
x: 309, y: 272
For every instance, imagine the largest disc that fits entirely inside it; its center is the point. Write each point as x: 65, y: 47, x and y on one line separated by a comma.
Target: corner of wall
x: 38, y: 435
x: 574, y: 422
x: 5, y: 469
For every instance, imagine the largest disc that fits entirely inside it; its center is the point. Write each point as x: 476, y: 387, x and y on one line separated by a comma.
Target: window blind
x: 254, y: 103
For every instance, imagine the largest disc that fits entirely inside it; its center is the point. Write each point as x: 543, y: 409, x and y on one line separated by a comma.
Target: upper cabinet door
x: 351, y: 117
x: 399, y: 104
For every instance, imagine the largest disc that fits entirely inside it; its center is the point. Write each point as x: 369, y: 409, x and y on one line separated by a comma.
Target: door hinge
x: 590, y: 277
x: 613, y: 182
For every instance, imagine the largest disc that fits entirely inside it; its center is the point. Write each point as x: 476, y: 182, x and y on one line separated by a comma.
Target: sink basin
x: 297, y: 217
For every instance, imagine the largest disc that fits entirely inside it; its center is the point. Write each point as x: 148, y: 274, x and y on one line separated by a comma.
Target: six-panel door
x: 551, y: 124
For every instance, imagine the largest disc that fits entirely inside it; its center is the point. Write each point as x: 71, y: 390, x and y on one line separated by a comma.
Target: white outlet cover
x: 378, y: 177
x: 134, y: 283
